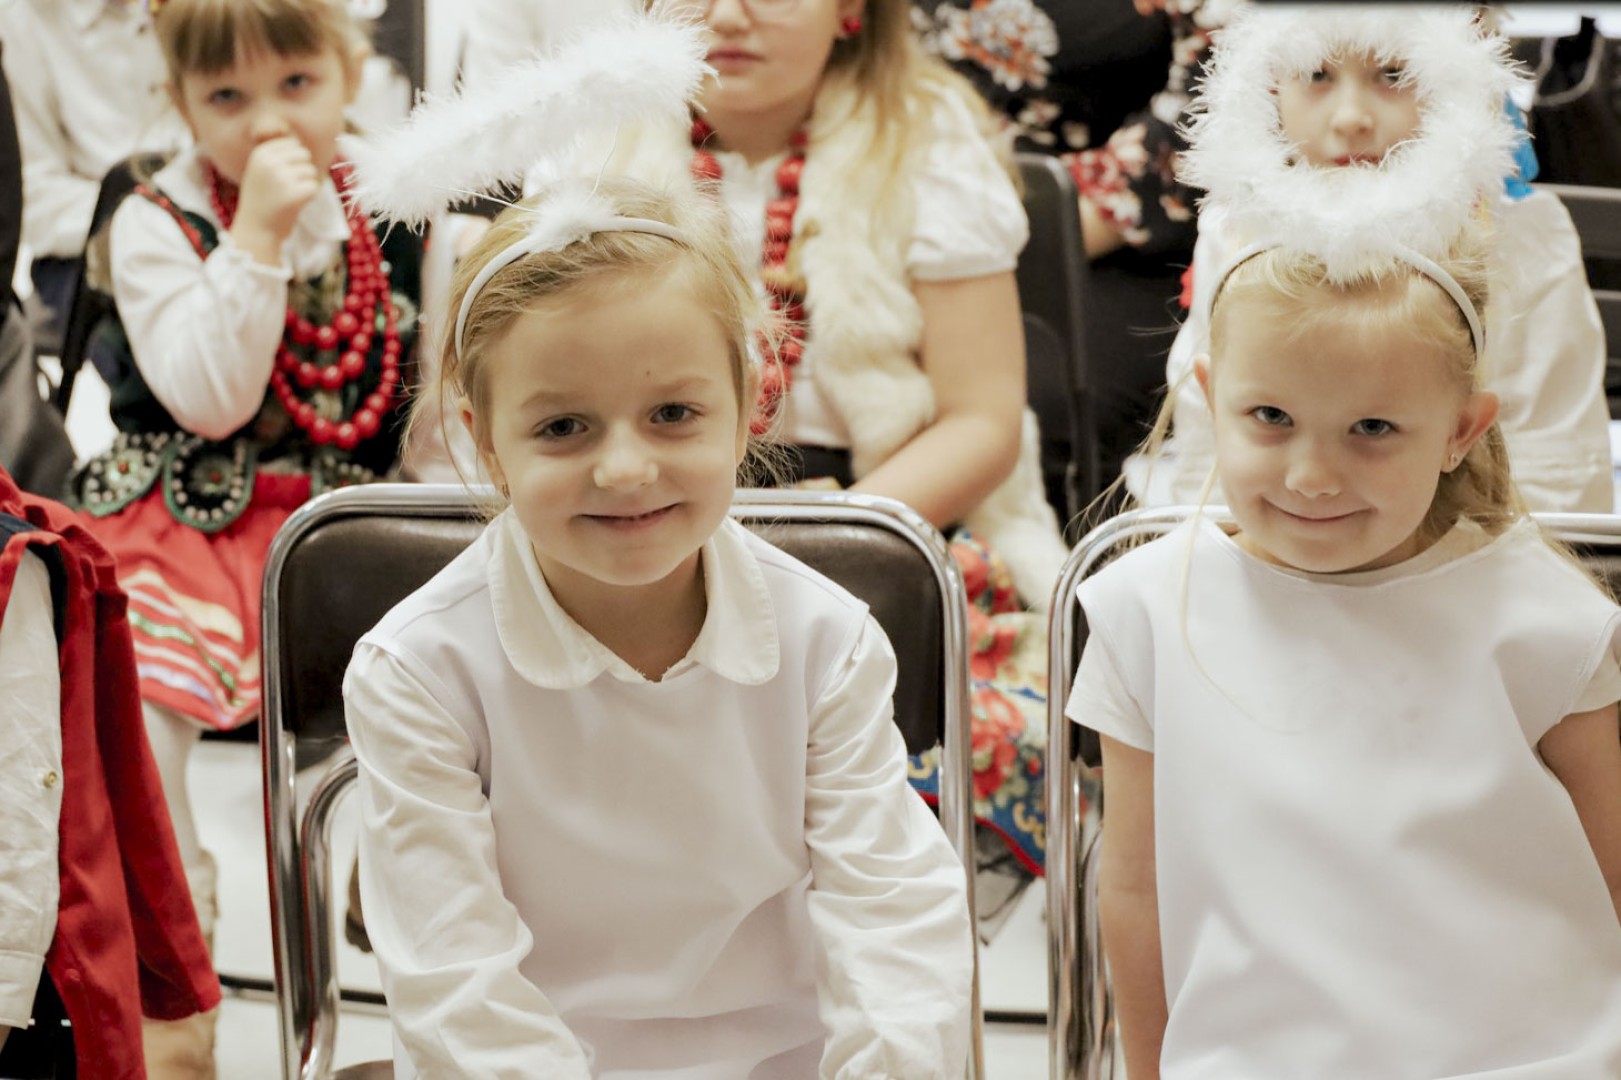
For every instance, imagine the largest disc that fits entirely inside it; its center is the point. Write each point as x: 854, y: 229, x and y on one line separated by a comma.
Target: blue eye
x: 1373, y: 427
x: 1271, y: 416
x: 673, y: 413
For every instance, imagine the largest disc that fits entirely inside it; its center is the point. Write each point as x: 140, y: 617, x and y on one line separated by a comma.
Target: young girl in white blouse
x: 1403, y: 92
x: 261, y: 342
x: 1361, y: 760
x: 633, y: 803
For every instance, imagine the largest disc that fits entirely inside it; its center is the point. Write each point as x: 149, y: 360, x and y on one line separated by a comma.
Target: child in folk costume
x: 264, y: 330
x: 876, y: 218
x: 1361, y: 759
x: 1301, y: 93
x: 643, y: 763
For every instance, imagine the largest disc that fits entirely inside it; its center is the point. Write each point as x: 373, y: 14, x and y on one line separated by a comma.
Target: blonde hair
x: 1290, y: 287
x: 705, y: 254
x: 205, y: 37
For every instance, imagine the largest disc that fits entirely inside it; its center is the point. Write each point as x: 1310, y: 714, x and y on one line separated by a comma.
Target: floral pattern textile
x: 1008, y: 672
x: 1110, y: 116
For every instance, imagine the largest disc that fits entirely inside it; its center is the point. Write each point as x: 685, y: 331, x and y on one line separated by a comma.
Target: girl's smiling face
x: 1331, y: 439
x: 1350, y: 111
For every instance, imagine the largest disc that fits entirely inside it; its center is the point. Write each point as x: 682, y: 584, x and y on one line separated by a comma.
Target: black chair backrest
x: 1050, y: 275
x: 1596, y: 213
x: 345, y: 575
x: 91, y: 304
x: 34, y: 445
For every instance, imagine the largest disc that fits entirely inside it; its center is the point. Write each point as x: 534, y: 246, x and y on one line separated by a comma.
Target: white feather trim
x: 633, y: 68
x: 1421, y: 196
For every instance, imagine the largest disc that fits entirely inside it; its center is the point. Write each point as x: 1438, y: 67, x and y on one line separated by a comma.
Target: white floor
x: 228, y: 798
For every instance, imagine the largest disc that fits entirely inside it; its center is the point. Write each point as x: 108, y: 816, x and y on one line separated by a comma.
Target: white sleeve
x: 448, y: 942
x: 1099, y: 699
x: 888, y: 897
x: 57, y: 201
x: 204, y: 332
x: 970, y: 219
x: 30, y: 787
x: 1546, y: 354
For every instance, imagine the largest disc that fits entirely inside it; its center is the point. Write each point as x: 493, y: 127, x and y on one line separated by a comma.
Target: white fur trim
x: 1421, y: 196
x: 633, y: 68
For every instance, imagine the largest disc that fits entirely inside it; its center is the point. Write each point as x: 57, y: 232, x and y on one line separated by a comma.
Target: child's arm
x: 448, y: 942
x: 973, y: 355
x: 888, y: 897
x: 1128, y: 905
x: 204, y: 333
x: 1584, y: 751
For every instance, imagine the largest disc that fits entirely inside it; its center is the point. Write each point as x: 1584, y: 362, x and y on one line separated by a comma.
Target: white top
x: 88, y: 87
x: 30, y: 787
x: 1364, y: 868
x: 970, y: 223
x: 1545, y: 358
x: 204, y: 332
x: 504, y: 32
x: 571, y: 871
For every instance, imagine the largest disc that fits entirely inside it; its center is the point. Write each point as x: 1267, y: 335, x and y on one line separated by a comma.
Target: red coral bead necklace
x: 347, y: 337
x: 782, y: 352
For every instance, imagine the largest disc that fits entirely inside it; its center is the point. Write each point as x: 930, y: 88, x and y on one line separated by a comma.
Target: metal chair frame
x: 1080, y: 1017
x: 300, y: 851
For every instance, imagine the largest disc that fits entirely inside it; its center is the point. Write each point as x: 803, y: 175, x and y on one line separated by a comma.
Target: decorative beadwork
x: 781, y: 351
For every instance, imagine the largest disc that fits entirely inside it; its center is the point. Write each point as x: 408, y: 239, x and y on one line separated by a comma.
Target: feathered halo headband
x: 636, y: 68
x: 1416, y: 202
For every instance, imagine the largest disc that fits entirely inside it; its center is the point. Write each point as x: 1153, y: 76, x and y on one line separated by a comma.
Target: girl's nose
x: 269, y: 124
x: 1311, y: 473
x: 1351, y: 117
x: 626, y: 463
x: 727, y: 16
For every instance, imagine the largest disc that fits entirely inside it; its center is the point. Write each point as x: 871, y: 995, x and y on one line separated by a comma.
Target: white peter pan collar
x: 738, y: 640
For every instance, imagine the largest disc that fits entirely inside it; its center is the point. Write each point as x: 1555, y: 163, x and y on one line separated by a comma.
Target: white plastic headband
x: 1422, y: 263
x: 554, y: 233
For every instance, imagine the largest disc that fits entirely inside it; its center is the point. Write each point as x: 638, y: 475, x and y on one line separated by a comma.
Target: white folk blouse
x: 204, y: 332
x: 570, y: 871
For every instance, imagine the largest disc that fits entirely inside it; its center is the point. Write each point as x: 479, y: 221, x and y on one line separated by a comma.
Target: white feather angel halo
x: 1419, y: 198
x: 633, y: 68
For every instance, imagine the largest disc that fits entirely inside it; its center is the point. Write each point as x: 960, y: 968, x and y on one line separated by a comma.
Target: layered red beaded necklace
x: 783, y: 351
x: 367, y: 308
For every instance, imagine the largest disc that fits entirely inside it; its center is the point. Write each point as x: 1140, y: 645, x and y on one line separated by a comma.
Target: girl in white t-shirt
x: 633, y: 803
x: 1399, y: 91
x: 1361, y: 760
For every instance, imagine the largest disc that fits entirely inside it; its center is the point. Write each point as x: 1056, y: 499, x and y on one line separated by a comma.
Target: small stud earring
x: 851, y: 26
x: 1452, y: 462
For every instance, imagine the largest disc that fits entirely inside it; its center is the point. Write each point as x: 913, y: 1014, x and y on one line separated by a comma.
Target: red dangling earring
x: 851, y: 26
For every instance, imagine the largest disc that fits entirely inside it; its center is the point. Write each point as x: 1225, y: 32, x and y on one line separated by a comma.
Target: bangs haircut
x: 205, y: 37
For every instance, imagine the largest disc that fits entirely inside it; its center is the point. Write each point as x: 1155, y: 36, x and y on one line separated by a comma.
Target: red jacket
x: 127, y: 939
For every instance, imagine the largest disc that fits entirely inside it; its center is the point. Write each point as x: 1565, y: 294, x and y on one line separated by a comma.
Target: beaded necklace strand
x: 347, y: 339
x: 781, y: 352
